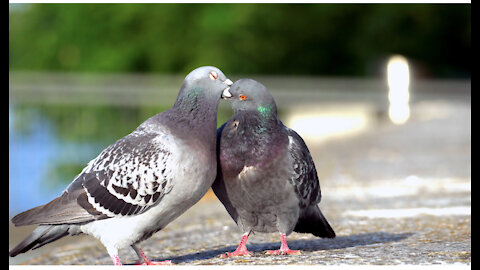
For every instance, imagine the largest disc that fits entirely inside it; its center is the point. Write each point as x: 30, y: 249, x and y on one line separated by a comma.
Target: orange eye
x: 243, y: 97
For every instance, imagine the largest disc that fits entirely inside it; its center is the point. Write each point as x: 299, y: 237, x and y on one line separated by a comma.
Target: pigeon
x: 143, y: 181
x: 266, y: 177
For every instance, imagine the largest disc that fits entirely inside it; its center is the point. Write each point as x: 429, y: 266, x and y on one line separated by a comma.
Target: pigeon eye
x: 243, y: 97
x: 213, y: 75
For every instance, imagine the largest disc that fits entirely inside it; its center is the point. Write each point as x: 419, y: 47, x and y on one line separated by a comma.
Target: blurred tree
x: 322, y: 39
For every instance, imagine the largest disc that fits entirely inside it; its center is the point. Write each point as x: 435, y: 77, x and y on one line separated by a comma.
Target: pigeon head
x: 252, y: 96
x: 207, y: 81
x: 197, y: 103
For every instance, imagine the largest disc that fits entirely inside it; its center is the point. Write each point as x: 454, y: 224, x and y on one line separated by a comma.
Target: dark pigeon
x: 266, y: 176
x: 142, y: 182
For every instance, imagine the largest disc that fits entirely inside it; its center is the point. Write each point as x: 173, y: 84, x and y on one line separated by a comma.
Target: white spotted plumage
x: 137, y: 171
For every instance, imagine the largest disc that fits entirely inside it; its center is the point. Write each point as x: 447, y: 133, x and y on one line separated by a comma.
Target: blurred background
x: 380, y: 92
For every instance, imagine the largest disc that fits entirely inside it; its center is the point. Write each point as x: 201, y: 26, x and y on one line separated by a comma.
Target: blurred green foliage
x: 311, y: 39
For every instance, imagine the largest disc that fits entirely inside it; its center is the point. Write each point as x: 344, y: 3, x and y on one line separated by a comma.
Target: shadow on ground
x: 303, y: 245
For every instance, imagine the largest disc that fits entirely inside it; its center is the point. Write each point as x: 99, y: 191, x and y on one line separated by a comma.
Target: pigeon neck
x: 261, y: 121
x: 253, y: 140
x: 195, y: 115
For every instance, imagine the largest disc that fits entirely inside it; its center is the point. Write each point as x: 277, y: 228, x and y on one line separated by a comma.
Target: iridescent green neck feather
x: 267, y: 117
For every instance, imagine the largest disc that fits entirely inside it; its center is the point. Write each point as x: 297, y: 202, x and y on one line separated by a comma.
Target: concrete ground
x: 393, y: 194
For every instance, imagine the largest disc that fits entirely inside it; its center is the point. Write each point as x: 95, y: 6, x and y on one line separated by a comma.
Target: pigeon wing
x: 303, y: 175
x: 127, y: 178
x: 130, y: 176
x: 218, y: 185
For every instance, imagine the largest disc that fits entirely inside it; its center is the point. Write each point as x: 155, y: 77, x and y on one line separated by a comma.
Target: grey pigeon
x: 143, y: 181
x: 266, y: 177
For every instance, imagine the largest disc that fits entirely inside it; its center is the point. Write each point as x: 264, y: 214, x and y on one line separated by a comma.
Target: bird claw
x: 236, y: 254
x: 168, y: 262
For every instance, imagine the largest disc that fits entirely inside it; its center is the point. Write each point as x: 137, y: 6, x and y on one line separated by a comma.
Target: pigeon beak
x: 226, y: 94
x: 228, y: 82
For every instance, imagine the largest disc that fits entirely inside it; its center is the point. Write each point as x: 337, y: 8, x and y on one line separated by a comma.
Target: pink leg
x: 116, y: 260
x: 143, y: 260
x: 241, y: 249
x: 284, y: 250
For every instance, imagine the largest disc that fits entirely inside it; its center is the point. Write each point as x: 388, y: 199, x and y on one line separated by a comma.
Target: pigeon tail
x: 42, y: 235
x: 312, y: 221
x: 26, y: 218
x: 62, y: 210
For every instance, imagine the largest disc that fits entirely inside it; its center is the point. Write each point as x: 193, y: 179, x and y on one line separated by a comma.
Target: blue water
x: 31, y: 157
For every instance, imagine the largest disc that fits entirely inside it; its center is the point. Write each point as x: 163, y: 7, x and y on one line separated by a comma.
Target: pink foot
x: 155, y: 263
x: 146, y: 261
x: 284, y: 250
x: 116, y: 260
x: 241, y: 249
x: 236, y: 253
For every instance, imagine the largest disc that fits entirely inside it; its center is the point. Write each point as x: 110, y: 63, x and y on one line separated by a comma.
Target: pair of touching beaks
x: 226, y: 92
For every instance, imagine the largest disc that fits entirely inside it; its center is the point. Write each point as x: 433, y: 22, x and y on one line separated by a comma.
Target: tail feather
x: 65, y: 209
x: 25, y: 218
x: 42, y: 235
x: 312, y: 221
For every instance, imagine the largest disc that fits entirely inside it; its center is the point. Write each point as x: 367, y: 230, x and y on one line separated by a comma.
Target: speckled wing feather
x: 126, y: 179
x: 129, y: 176
x: 304, y: 175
